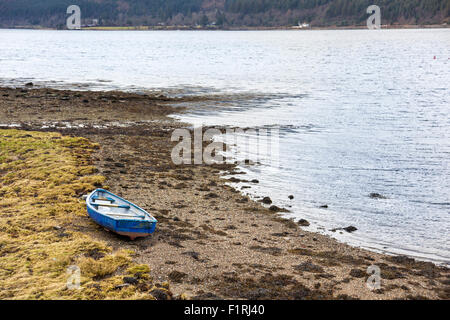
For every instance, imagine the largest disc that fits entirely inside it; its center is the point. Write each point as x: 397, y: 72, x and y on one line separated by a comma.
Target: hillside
x: 222, y: 13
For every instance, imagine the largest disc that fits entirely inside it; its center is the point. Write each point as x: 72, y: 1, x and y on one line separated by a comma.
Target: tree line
x: 222, y: 13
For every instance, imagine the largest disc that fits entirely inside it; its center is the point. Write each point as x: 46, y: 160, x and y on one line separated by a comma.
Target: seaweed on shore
x: 42, y: 176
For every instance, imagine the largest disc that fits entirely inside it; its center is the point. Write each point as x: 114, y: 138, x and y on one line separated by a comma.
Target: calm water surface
x: 359, y: 112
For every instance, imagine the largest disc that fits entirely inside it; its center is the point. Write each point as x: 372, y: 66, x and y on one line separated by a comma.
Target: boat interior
x: 112, y: 206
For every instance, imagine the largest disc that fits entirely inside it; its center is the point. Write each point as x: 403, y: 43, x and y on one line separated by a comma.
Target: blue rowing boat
x: 119, y: 215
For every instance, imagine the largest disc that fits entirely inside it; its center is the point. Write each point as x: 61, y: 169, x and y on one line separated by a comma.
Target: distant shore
x: 212, y: 28
x: 211, y: 242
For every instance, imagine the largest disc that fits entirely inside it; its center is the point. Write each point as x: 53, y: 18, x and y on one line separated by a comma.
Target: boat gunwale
x: 88, y: 204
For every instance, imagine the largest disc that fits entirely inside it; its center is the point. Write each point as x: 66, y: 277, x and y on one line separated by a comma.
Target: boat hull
x: 132, y: 227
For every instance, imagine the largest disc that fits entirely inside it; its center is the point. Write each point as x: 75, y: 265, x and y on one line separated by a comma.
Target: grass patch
x: 116, y: 28
x: 42, y: 176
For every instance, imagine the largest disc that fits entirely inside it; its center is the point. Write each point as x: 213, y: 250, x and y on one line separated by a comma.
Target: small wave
x: 445, y: 204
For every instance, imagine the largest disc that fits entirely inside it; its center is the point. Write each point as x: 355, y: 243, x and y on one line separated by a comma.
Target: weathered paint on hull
x: 134, y: 235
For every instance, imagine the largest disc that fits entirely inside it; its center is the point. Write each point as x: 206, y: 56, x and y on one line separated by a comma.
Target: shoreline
x: 356, y: 243
x: 202, y: 253
x: 279, y: 28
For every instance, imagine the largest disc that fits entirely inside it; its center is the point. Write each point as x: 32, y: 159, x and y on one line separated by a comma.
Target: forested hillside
x: 222, y: 13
